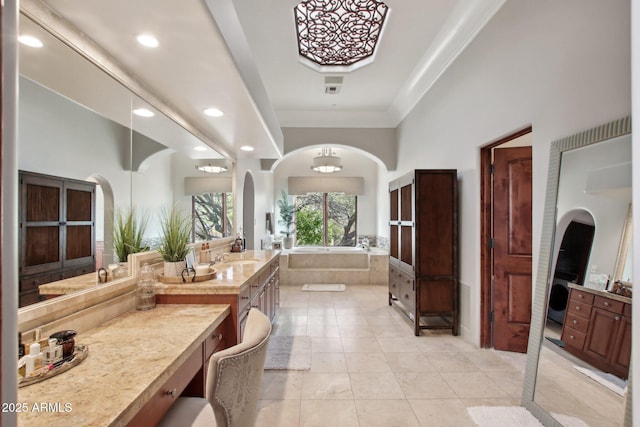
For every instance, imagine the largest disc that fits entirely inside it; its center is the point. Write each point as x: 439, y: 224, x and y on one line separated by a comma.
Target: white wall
x: 561, y: 67
x: 263, y: 182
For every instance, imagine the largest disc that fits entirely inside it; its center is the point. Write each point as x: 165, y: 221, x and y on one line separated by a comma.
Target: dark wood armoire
x: 423, y: 248
x: 57, y: 231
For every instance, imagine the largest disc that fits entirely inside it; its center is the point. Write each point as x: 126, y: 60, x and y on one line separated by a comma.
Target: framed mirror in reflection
x: 76, y: 123
x: 580, y: 343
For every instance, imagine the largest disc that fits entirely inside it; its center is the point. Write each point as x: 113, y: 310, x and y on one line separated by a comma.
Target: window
x: 327, y: 219
x: 212, y: 216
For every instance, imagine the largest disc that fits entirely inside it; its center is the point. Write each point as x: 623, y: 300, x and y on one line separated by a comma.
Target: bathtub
x: 338, y: 264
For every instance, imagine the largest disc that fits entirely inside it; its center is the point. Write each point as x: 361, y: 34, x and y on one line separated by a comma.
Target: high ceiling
x: 241, y: 57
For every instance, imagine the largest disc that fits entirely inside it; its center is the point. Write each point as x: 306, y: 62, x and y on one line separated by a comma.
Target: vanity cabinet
x: 56, y: 231
x: 597, y: 329
x: 261, y: 291
x: 423, y: 248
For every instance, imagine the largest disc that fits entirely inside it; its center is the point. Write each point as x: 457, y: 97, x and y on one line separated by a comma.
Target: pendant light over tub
x: 213, y: 166
x: 326, y: 162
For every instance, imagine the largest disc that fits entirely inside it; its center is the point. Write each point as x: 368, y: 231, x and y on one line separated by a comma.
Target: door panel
x: 512, y: 248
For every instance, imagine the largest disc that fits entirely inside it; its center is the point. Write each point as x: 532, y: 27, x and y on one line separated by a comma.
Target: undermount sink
x: 242, y: 261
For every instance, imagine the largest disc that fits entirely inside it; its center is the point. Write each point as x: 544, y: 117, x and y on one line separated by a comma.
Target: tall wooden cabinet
x: 423, y: 248
x: 57, y: 231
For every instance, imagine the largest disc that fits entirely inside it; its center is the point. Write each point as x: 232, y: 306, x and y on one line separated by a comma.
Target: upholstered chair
x: 234, y: 376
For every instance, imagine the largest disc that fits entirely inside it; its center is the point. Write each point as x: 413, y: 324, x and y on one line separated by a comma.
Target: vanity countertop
x: 72, y: 284
x: 230, y: 278
x: 598, y: 292
x: 130, y: 358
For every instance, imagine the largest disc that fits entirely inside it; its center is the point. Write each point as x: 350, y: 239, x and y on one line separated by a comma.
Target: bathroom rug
x: 613, y: 383
x: 288, y: 353
x: 502, y: 416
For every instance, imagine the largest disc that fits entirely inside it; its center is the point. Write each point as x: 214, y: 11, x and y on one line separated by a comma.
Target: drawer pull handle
x: 606, y: 303
x: 244, y: 297
x: 577, y: 307
x: 216, y: 336
x: 171, y: 393
x: 571, y: 337
x: 580, y: 296
x: 617, y: 318
x: 575, y: 322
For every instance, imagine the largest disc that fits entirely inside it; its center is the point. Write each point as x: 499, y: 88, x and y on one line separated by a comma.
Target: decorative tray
x: 187, y: 278
x: 80, y: 353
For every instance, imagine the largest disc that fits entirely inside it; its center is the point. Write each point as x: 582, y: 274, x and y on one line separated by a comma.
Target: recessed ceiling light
x: 143, y: 112
x: 30, y: 41
x: 213, y: 112
x: 148, y: 40
x: 200, y: 148
x: 247, y: 148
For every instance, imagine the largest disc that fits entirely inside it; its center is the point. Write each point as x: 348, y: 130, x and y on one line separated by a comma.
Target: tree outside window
x: 327, y: 219
x: 212, y: 216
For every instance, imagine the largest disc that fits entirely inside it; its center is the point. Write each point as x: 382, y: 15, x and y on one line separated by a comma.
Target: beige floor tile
x: 386, y: 413
x: 328, y: 362
x: 360, y: 345
x: 280, y: 413
x: 489, y: 361
x: 378, y: 385
x: 409, y: 362
x: 355, y: 331
x: 328, y: 413
x: 424, y: 385
x: 281, y: 385
x: 320, y: 330
x: 472, y: 385
x: 326, y: 345
x: 441, y: 413
x: 510, y: 382
x: 451, y: 362
x: 398, y: 345
x: 326, y: 386
x: 495, y: 401
x: 367, y: 362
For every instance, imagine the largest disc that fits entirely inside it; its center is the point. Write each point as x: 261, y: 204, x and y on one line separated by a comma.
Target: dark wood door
x: 512, y: 248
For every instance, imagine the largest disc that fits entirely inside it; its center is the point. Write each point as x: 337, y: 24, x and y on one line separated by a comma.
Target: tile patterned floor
x: 368, y: 369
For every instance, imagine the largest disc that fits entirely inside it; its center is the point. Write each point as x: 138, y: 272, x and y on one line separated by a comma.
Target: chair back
x: 234, y: 375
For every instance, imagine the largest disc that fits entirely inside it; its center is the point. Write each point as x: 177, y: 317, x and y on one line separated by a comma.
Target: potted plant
x: 174, y: 239
x: 128, y: 233
x: 287, y: 212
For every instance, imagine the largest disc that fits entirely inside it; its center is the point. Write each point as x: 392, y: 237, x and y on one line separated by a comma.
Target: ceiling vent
x: 332, y: 84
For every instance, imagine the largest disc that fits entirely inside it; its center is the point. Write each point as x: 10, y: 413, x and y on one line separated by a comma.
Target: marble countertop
x: 229, y: 279
x: 130, y: 358
x: 231, y: 276
x: 598, y: 292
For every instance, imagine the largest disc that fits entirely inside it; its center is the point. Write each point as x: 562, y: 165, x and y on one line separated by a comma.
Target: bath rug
x: 613, y: 383
x: 324, y: 287
x: 288, y: 353
x: 502, y: 416
x: 569, y: 421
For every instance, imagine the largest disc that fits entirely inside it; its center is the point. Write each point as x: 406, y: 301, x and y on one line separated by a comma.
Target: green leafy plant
x: 287, y: 213
x: 175, y: 234
x: 128, y: 233
x: 309, y: 227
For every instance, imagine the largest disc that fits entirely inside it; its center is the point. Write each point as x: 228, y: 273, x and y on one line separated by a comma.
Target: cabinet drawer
x: 609, y: 304
x: 213, y: 343
x: 582, y: 297
x: 573, y: 338
x: 576, y: 322
x: 32, y: 283
x: 407, y: 293
x: 243, y: 298
x: 627, y: 310
x: 579, y: 309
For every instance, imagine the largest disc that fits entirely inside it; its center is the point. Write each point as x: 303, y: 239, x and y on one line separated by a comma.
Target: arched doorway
x: 248, y: 208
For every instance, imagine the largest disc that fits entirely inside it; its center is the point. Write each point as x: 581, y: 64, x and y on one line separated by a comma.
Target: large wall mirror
x: 579, y: 349
x: 76, y: 121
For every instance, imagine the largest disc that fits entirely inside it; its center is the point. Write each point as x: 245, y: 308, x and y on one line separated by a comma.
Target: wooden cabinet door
x: 601, y: 335
x: 79, y: 214
x: 621, y: 357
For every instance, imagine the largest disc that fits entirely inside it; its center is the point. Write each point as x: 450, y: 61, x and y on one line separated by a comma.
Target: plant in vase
x: 128, y: 237
x: 287, y: 213
x: 175, y: 235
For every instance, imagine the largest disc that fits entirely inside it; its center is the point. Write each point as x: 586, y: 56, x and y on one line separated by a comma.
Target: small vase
x: 174, y: 269
x: 287, y: 242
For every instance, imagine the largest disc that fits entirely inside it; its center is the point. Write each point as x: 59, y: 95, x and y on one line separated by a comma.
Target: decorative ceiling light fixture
x: 326, y: 162
x: 213, y: 166
x: 339, y: 32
